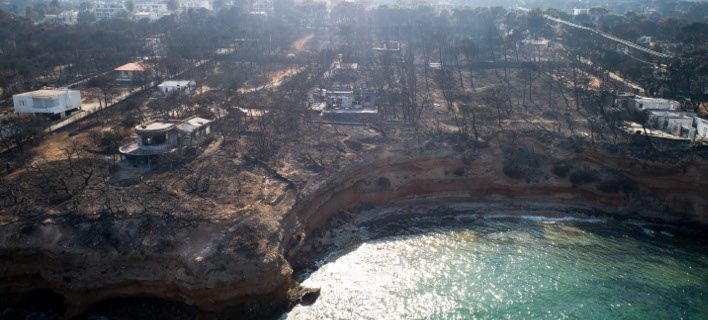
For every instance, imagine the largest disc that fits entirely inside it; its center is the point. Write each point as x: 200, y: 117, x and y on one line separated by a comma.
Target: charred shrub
x: 584, y: 176
x: 459, y: 172
x: 617, y: 184
x: 354, y: 145
x: 561, y: 170
x: 383, y: 183
x: 610, y: 186
x: 523, y: 164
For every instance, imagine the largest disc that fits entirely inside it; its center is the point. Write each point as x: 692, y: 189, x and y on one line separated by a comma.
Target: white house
x: 645, y: 103
x: 644, y: 41
x: 53, y: 102
x: 262, y: 7
x: 151, y: 11
x: 173, y: 86
x: 686, y: 125
x: 580, y: 11
x: 701, y: 129
x: 69, y: 17
x: 108, y: 10
x: 196, y: 4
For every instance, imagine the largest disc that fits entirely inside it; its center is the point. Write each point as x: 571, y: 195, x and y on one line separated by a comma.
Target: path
x: 91, y: 108
x: 299, y: 44
x: 605, y: 35
x: 275, y: 80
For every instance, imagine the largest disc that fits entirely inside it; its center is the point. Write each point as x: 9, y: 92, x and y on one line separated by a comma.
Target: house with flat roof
x: 356, y: 104
x: 51, y: 102
x: 388, y: 46
x: 177, y: 86
x: 107, y: 10
x: 686, y: 125
x: 69, y: 17
x: 151, y: 11
x: 646, y: 104
x: 160, y: 137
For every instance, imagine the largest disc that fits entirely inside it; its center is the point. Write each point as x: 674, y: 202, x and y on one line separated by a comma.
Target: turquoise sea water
x: 513, y: 268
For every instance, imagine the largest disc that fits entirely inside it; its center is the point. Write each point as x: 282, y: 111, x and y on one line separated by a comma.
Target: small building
x: 194, y: 131
x: 196, y: 4
x: 262, y: 7
x: 177, y: 86
x: 358, y: 104
x: 644, y: 41
x: 536, y: 44
x: 160, y: 137
x: 682, y: 125
x: 108, y: 10
x: 580, y: 11
x: 646, y: 103
x: 676, y: 123
x: 388, y: 46
x: 69, y: 17
x: 151, y: 11
x: 51, y: 102
x: 133, y: 71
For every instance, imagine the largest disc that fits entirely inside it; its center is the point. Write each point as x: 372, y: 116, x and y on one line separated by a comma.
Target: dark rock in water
x: 8, y: 313
x: 309, y: 296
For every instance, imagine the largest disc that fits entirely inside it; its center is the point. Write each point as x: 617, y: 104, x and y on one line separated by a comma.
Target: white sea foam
x: 544, y: 219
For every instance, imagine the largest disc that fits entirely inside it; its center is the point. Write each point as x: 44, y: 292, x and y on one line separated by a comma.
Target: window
x: 154, y: 140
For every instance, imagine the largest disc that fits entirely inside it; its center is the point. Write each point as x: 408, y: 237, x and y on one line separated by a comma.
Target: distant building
x: 388, y: 46
x: 439, y: 7
x: 174, y: 86
x: 159, y: 137
x: 109, y: 10
x: 262, y: 7
x: 535, y: 47
x: 580, y: 11
x: 151, y: 11
x: 52, y: 102
x: 196, y: 4
x: 69, y: 17
x: 134, y: 71
x: 645, y: 41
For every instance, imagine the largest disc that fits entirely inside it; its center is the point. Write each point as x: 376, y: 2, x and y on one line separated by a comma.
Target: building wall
x: 701, y: 129
x: 25, y: 103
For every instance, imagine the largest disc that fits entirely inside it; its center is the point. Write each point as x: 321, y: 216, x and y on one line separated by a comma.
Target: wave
x: 544, y: 219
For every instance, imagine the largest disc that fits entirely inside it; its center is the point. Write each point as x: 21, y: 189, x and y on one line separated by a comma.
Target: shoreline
x: 353, y: 228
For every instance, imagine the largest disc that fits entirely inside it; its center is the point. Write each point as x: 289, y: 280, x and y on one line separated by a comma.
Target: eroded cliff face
x: 208, y: 264
x: 664, y: 191
x: 219, y: 264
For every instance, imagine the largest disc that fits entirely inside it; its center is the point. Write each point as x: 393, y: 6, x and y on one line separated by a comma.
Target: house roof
x: 178, y: 83
x: 657, y: 103
x: 155, y: 126
x: 192, y: 123
x: 348, y: 66
x: 133, y: 66
x: 44, y: 93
